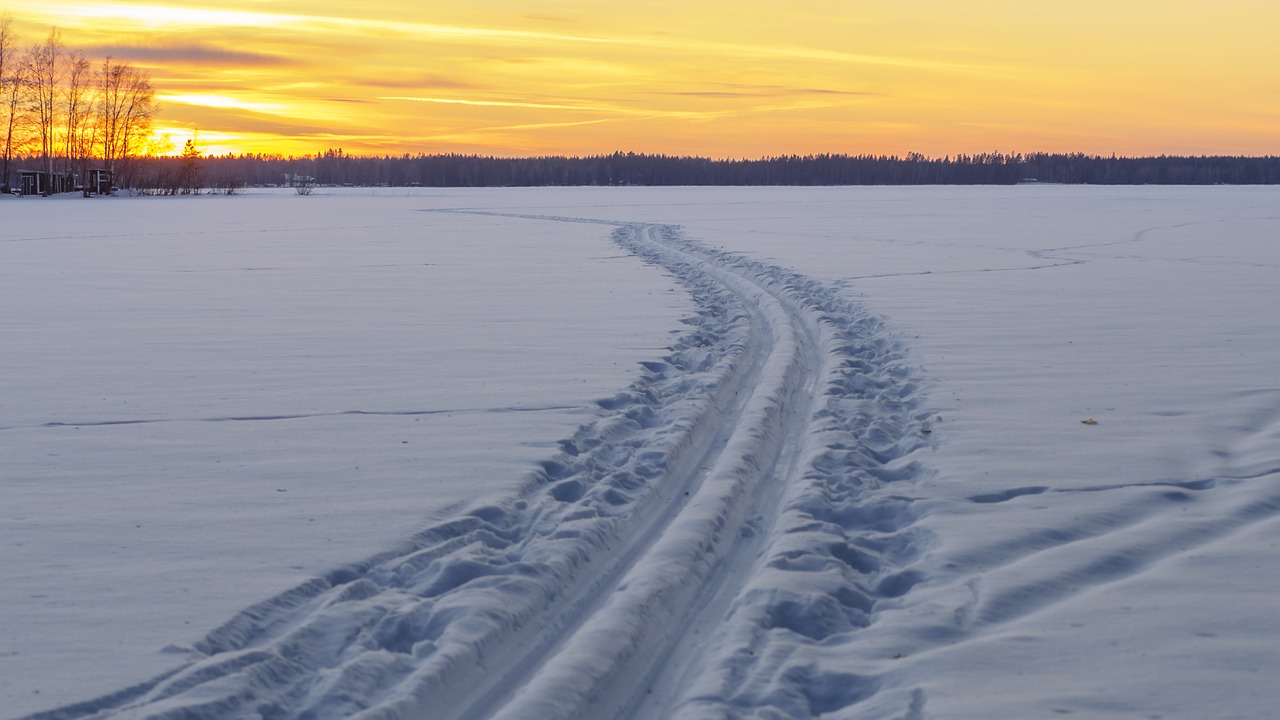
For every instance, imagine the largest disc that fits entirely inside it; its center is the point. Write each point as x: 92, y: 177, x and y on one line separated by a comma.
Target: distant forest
x: 193, y: 173
x: 334, y: 168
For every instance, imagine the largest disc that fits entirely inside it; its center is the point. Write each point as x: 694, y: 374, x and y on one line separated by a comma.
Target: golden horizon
x: 745, y: 80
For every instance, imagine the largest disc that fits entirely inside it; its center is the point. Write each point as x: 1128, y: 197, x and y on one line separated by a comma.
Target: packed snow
x: 647, y: 453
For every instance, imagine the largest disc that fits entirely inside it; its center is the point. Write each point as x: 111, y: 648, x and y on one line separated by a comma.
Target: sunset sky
x: 724, y: 78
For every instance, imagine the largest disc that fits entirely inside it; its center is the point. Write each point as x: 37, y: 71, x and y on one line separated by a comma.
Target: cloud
x: 542, y: 126
x: 752, y: 91
x: 187, y: 54
x: 547, y: 18
x: 715, y: 94
x: 227, y: 120
x: 437, y: 82
x: 161, y: 17
x: 821, y: 91
x: 490, y: 103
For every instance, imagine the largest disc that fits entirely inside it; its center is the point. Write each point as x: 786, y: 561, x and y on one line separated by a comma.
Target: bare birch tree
x: 78, y: 113
x: 12, y: 87
x: 44, y: 74
x: 126, y: 106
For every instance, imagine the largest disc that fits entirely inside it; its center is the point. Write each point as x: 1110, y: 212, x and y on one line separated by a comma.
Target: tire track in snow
x: 746, y: 480
x: 1142, y: 532
x: 1144, y: 525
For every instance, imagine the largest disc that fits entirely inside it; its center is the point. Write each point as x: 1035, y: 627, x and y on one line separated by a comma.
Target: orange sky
x: 725, y: 78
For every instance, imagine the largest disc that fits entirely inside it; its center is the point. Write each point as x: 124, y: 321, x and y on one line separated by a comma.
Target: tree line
x: 62, y: 113
x: 336, y: 168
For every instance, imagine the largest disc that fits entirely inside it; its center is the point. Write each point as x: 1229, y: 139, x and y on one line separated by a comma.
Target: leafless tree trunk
x: 12, y: 84
x: 44, y: 68
x: 78, y: 102
x: 126, y: 105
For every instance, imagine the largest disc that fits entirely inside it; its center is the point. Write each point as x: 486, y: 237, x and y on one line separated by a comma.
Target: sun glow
x: 728, y: 80
x: 151, y: 17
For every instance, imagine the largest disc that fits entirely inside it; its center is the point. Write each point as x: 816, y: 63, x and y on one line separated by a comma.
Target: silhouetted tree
x: 44, y: 74
x: 126, y: 107
x: 77, y: 114
x: 12, y: 83
x: 189, y: 177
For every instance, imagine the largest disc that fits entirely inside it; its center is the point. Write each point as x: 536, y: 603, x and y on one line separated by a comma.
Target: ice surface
x: 799, y: 509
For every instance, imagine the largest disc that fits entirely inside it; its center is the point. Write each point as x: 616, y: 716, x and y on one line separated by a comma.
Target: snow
x: 234, y: 337
x: 857, y: 483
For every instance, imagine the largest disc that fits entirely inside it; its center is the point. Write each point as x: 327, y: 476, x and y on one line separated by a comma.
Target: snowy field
x: 891, y: 453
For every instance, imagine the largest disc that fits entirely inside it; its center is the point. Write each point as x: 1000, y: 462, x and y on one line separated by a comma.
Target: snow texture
x: 1049, y: 486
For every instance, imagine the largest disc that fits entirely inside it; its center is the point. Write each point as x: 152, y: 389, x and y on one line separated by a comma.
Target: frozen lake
x: 209, y: 401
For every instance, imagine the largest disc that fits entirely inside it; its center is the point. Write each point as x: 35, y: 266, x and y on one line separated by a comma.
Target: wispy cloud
x: 189, y: 54
x: 156, y: 17
x: 543, y: 126
x: 230, y: 120
x: 547, y: 18
x: 159, y: 17
x: 438, y: 82
x: 490, y: 103
x: 713, y: 94
x: 750, y: 91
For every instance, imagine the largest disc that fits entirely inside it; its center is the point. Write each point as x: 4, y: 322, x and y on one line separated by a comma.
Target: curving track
x: 684, y: 556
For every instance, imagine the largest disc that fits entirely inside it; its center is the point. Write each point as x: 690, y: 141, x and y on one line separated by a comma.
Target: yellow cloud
x: 489, y: 103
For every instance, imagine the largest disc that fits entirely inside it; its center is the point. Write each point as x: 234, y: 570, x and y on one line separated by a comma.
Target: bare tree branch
x: 44, y: 74
x: 126, y: 107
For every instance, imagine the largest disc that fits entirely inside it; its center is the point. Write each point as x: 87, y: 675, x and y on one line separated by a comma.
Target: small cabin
x: 39, y: 182
x: 98, y: 182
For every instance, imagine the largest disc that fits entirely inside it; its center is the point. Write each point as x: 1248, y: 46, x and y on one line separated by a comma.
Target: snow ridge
x: 689, y: 554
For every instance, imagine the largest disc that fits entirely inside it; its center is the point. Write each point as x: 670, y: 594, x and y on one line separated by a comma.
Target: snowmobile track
x: 734, y: 506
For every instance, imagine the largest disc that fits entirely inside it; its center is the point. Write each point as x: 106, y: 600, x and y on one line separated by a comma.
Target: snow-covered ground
x: 205, y: 402
x: 914, y: 452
